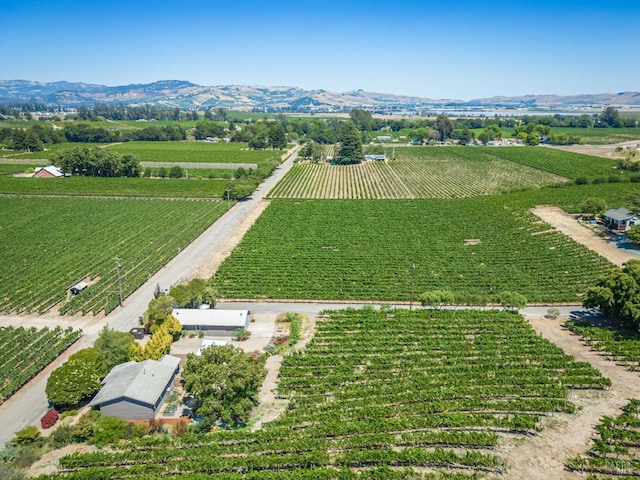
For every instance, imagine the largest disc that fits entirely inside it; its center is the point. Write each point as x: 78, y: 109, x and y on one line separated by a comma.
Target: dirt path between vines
x: 565, y: 435
x: 270, y: 407
x: 581, y: 234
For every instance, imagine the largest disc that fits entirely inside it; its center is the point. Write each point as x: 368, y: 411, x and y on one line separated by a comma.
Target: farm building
x: 620, y: 219
x: 135, y: 390
x: 78, y: 288
x: 212, y: 322
x: 383, y: 138
x: 48, y: 172
x: 375, y: 157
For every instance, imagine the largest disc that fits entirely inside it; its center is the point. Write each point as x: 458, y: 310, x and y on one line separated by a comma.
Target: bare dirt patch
x: 568, y: 225
x: 48, y: 463
x: 606, y: 151
x: 270, y: 406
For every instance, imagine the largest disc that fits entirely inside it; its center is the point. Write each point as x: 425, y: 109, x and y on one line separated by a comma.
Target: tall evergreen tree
x: 350, y: 143
x: 277, y: 136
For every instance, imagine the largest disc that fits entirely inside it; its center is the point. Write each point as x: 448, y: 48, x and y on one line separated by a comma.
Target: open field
x: 443, y: 172
x: 45, y: 155
x: 173, y: 152
x: 48, y: 244
x: 601, y: 136
x: 25, y: 352
x: 590, y: 136
x: 113, y: 187
x: 447, y: 394
x: 566, y: 164
x: 364, y: 249
x: 13, y: 168
x: 195, y: 152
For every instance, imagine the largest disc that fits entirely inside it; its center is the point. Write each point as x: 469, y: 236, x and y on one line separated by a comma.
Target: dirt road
x: 605, y: 151
x: 564, y: 436
x: 569, y: 226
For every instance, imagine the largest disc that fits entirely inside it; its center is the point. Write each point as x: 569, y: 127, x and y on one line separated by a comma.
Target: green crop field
x: 364, y: 249
x: 199, y: 152
x: 114, y: 186
x: 12, y: 168
x: 617, y: 343
x: 379, y: 394
x: 614, y: 454
x: 601, y: 136
x: 444, y: 172
x: 48, y: 244
x: 25, y: 352
x: 43, y: 157
x: 567, y: 164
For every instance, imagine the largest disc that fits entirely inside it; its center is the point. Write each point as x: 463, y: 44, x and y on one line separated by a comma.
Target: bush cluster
x: 50, y: 418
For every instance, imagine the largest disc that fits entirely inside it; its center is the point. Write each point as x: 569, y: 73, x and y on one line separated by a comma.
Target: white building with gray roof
x: 135, y: 390
x: 620, y: 219
x: 212, y: 321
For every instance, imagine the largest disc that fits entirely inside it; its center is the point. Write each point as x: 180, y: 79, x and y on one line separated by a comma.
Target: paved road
x: 30, y: 403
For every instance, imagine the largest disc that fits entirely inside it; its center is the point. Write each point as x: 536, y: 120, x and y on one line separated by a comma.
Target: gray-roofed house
x: 620, y: 219
x: 135, y: 390
x: 212, y: 321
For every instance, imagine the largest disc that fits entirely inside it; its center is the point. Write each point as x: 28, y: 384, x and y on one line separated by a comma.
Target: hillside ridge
x: 185, y: 94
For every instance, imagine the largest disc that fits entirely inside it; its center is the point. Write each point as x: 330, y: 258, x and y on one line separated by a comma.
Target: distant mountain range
x: 186, y: 95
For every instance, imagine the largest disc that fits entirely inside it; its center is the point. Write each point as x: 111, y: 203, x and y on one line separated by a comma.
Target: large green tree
x: 593, y: 206
x: 312, y: 151
x: 444, y: 127
x: 78, y: 379
x: 634, y: 234
x: 206, y: 129
x: 193, y: 294
x: 113, y: 347
x: 224, y: 382
x: 277, y: 136
x: 617, y: 294
x: 350, y: 143
x: 97, y: 162
x: 610, y: 116
x: 362, y: 119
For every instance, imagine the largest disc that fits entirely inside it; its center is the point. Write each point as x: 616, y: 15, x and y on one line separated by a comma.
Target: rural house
x: 212, y: 322
x: 48, y: 172
x: 135, y: 390
x: 620, y: 219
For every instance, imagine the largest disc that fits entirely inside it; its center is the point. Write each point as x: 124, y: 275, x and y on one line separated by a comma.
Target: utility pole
x: 119, y: 279
x: 227, y: 192
x: 413, y: 271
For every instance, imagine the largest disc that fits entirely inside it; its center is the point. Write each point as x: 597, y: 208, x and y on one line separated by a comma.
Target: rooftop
x: 211, y: 317
x: 140, y: 381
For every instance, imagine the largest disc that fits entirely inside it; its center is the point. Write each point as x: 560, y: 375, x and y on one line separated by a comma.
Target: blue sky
x: 458, y: 49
